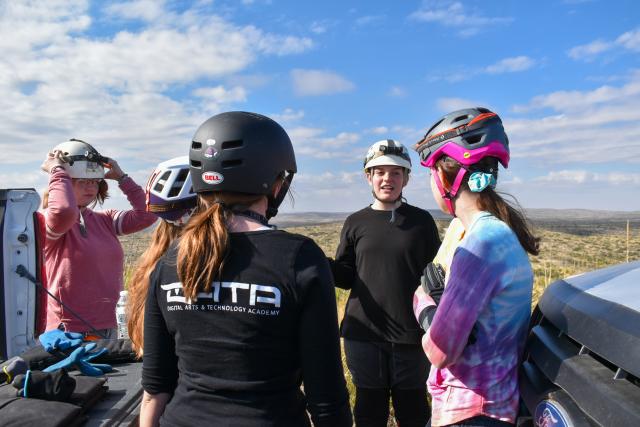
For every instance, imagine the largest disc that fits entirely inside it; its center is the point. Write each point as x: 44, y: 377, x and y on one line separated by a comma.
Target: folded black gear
x: 120, y: 350
x: 12, y: 367
x: 57, y: 386
x: 18, y: 412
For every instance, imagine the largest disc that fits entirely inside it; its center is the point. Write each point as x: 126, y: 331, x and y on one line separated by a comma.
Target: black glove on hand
x: 432, y: 281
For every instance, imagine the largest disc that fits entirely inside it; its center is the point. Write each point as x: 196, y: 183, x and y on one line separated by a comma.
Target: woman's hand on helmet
x: 113, y: 170
x: 54, y: 158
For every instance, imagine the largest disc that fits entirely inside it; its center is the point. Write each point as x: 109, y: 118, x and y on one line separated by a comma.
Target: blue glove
x: 55, y: 338
x: 80, y: 358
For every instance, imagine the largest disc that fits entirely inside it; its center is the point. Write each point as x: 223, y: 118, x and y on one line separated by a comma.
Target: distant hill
x: 581, y: 215
x: 536, y: 215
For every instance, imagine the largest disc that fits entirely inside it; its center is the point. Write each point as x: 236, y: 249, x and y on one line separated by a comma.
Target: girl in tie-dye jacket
x: 475, y: 327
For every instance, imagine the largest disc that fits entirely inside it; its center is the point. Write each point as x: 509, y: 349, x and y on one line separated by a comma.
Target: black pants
x: 383, y: 370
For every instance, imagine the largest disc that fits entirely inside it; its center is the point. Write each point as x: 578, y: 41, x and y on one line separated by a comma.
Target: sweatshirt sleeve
x: 473, y: 280
x: 322, y: 373
x: 160, y: 364
x: 62, y: 211
x: 344, y: 265
x: 136, y: 219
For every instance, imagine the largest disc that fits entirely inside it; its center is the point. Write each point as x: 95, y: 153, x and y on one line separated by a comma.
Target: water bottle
x: 121, y: 315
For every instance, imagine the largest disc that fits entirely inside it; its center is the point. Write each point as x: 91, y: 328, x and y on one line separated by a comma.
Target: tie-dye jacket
x: 488, y: 285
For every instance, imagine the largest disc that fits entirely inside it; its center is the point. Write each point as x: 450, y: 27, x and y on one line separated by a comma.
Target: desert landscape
x: 572, y: 242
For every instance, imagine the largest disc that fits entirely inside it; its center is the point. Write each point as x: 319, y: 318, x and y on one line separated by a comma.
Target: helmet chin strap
x: 448, y: 196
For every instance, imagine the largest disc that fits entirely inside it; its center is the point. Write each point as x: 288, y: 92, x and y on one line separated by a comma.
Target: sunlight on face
x: 387, y: 182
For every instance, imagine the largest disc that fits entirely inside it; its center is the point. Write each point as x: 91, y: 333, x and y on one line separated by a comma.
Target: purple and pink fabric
x: 489, y: 286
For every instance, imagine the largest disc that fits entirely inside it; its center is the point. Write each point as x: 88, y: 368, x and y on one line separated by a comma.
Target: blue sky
x: 136, y: 79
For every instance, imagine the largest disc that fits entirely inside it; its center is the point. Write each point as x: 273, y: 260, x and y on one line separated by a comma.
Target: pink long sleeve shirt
x: 488, y: 285
x: 86, y: 272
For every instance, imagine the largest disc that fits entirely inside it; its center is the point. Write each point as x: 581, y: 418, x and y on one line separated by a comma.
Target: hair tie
x: 26, y: 383
x: 7, y: 373
x: 478, y: 181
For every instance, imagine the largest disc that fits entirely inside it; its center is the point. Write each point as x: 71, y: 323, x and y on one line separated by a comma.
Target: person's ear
x: 368, y: 175
x: 405, y: 178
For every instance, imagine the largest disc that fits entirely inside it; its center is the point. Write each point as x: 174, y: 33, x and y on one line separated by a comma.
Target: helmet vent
x: 459, y: 118
x: 178, y: 183
x: 161, y: 181
x: 196, y: 145
x: 483, y: 110
x: 473, y: 139
x: 433, y: 127
x: 231, y: 163
x: 196, y: 164
x: 232, y: 144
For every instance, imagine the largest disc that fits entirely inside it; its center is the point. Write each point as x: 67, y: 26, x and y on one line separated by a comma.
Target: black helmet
x: 242, y: 152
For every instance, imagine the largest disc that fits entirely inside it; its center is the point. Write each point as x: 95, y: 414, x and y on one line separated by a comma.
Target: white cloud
x: 288, y: 115
x: 319, y: 82
x: 147, y: 10
x: 506, y: 65
x: 279, y: 45
x: 589, y: 50
x: 379, y: 130
x: 318, y: 27
x: 312, y: 142
x: 455, y: 15
x: 369, y: 20
x: 511, y: 65
x: 587, y: 127
x: 629, y: 40
x: 397, y: 92
x: 568, y: 101
x: 217, y: 96
x: 56, y: 81
x: 447, y: 105
x: 583, y: 177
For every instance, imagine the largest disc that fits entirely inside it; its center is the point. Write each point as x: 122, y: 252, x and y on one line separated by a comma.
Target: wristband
x: 119, y: 180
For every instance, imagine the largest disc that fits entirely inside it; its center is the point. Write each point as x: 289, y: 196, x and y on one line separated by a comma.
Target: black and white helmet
x: 169, y: 191
x: 387, y: 152
x: 242, y: 152
x: 81, y: 159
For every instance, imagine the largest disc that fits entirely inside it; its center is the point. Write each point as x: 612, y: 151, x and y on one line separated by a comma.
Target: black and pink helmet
x: 467, y: 136
x: 169, y: 191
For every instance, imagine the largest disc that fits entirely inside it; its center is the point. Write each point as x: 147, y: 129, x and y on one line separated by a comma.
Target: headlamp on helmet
x: 387, y: 153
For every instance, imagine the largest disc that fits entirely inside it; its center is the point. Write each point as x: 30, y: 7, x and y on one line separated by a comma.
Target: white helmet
x: 81, y: 159
x: 387, y: 153
x: 169, y: 191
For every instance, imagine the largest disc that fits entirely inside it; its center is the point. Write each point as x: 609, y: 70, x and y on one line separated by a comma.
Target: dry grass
x: 562, y: 254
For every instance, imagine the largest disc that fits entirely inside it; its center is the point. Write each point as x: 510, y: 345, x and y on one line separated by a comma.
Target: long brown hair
x: 162, y: 236
x: 205, y: 240
x: 489, y: 200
